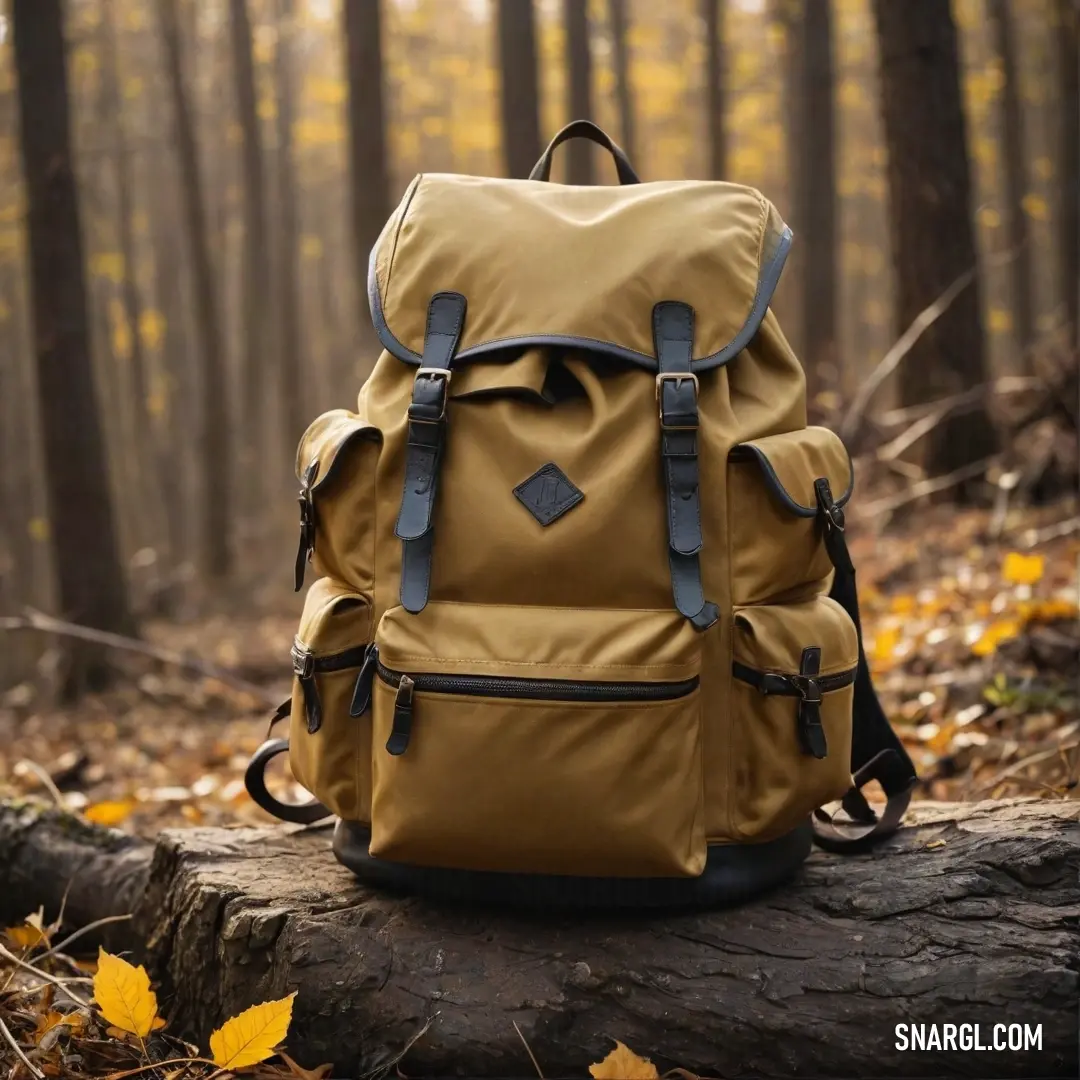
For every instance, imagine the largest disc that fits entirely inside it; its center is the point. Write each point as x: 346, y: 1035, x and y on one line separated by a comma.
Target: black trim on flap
x: 750, y: 452
x: 768, y: 279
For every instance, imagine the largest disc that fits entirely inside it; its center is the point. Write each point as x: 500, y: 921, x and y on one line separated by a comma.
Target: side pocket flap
x: 322, y: 445
x: 792, y: 461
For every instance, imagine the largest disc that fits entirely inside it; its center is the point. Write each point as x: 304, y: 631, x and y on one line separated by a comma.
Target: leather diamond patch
x: 548, y: 493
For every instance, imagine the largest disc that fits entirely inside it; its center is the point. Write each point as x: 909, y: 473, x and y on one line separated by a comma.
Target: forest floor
x: 974, y: 643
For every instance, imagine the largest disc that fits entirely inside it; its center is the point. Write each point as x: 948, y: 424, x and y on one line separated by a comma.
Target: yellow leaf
x: 311, y: 247
x: 123, y: 995
x: 1018, y: 569
x: 108, y: 264
x: 30, y: 934
x: 995, y: 634
x: 133, y: 87
x: 999, y: 321
x: 110, y: 813
x: 623, y: 1064
x: 152, y: 326
x: 1043, y: 168
x: 251, y: 1037
x: 935, y: 844
x: 885, y: 642
x: 38, y: 528
x: 988, y: 217
x: 1035, y: 207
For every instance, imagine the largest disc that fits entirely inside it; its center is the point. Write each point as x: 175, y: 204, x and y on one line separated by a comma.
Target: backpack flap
x: 777, y: 540
x: 335, y: 464
x: 579, y: 267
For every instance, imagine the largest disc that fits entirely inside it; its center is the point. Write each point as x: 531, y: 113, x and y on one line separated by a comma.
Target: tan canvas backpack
x: 584, y: 626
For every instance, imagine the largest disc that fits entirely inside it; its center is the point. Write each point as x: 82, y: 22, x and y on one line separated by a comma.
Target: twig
x: 34, y: 1070
x: 1006, y: 385
x: 83, y: 930
x: 159, y: 1065
x: 928, y: 487
x: 11, y: 958
x: 891, y: 360
x: 528, y: 1050
x: 46, y: 780
x: 892, y: 450
x: 1034, y: 537
x: 38, y: 620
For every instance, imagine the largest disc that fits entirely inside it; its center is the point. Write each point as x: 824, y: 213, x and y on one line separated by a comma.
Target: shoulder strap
x: 876, y: 751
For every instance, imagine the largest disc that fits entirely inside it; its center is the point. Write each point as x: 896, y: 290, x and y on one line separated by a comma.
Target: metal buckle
x: 433, y: 373
x: 809, y: 688
x: 678, y: 377
x: 303, y: 662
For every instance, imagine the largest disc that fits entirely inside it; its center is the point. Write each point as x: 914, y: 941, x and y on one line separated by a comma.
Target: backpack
x: 583, y: 628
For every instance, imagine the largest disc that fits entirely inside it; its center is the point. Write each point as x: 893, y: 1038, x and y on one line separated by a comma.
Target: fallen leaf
x: 53, y: 1019
x: 623, y: 1064
x: 995, y: 634
x: 30, y: 934
x: 935, y: 844
x: 301, y: 1073
x: 1019, y: 569
x: 110, y: 813
x: 251, y: 1037
x: 123, y: 995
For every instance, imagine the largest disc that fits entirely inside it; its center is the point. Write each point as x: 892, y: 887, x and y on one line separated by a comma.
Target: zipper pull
x: 361, y: 699
x: 403, y: 715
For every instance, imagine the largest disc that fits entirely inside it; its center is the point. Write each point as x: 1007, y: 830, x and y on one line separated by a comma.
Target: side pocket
x: 776, y: 536
x: 330, y: 749
x: 336, y: 463
x: 793, y: 679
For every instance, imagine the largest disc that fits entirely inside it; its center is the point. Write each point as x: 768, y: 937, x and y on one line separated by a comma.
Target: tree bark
x: 1068, y: 39
x: 213, y: 443
x: 1016, y: 227
x: 579, y: 152
x: 294, y: 394
x: 967, y: 915
x: 520, y: 94
x: 815, y: 202
x: 930, y: 218
x: 369, y: 181
x: 713, y: 12
x: 624, y: 92
x: 255, y: 275
x: 90, y: 578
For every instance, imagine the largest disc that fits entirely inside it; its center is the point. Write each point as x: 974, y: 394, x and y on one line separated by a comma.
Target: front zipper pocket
x: 329, y: 748
x: 793, y: 676
x: 538, y: 740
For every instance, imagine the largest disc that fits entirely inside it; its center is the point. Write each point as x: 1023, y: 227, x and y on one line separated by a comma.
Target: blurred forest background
x: 188, y: 193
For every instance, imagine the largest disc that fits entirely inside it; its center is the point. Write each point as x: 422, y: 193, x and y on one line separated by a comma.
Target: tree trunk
x: 965, y: 916
x: 1016, y: 227
x: 815, y: 203
x: 624, y: 94
x: 255, y: 261
x: 930, y: 218
x: 90, y: 578
x: 579, y: 152
x: 213, y: 441
x: 294, y: 393
x: 1068, y: 38
x: 520, y: 96
x: 713, y: 12
x: 368, y: 174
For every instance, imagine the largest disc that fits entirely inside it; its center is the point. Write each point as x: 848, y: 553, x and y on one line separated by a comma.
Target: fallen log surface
x: 970, y: 914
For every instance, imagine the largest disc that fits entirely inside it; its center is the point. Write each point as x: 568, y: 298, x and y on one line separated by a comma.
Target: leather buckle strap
x: 424, y: 448
x: 677, y: 390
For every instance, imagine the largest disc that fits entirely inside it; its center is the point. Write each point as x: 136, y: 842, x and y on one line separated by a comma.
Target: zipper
x: 808, y: 689
x: 492, y: 686
x: 306, y: 666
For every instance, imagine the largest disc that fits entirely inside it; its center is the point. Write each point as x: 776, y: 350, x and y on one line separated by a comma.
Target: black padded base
x: 733, y: 874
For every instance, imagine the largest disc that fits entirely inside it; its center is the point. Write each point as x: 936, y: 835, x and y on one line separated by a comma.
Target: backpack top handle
x: 586, y: 129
